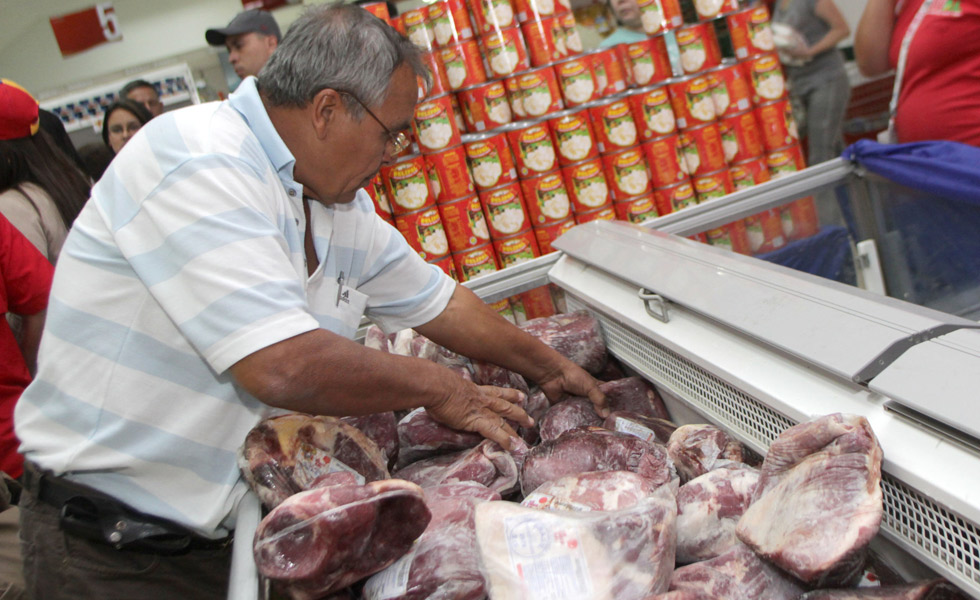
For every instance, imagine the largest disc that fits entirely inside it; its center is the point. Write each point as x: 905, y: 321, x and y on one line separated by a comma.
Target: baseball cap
x: 256, y: 20
x: 18, y: 112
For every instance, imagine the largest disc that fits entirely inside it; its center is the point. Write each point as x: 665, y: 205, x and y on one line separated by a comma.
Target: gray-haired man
x: 215, y: 278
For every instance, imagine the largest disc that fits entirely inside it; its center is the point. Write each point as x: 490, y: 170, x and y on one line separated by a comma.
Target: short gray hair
x: 340, y: 47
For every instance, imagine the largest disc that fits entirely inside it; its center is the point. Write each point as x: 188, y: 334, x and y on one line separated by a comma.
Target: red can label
x: 799, y: 219
x: 703, y: 152
x: 573, y: 42
x: 648, y: 61
x: 573, y: 136
x: 435, y: 124
x: 764, y: 232
x: 713, y: 185
x: 540, y: 92
x: 729, y: 237
x: 546, y: 234
x: 610, y: 74
x: 446, y: 264
x: 740, y: 137
x: 417, y: 27
x: 505, y: 51
x: 485, y: 106
x: 532, y: 149
x: 766, y: 76
x: 449, y: 175
x: 407, y: 185
x: 504, y: 207
x: 692, y: 102
x: 657, y: 16
x: 784, y: 161
x: 545, y: 40
x: 450, y: 21
x: 627, y: 172
x: 464, y: 223
x: 489, y: 15
x: 440, y: 81
x: 463, y: 63
x: 423, y: 231
x: 699, y: 49
x: 587, y: 186
x: 613, y: 125
x: 749, y: 173
x: 777, y: 124
x: 652, y: 112
x: 709, y: 9
x: 674, y: 198
x: 750, y: 32
x: 546, y: 198
x: 730, y: 90
x: 576, y: 80
x: 491, y: 162
x: 530, y: 10
x: 636, y: 210
x: 475, y: 262
x: 603, y: 214
x: 516, y: 249
x: 666, y: 160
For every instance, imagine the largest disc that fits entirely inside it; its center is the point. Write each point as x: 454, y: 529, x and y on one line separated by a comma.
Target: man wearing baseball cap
x: 251, y: 37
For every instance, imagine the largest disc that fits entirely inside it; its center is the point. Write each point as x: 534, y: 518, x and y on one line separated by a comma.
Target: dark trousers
x: 60, y: 566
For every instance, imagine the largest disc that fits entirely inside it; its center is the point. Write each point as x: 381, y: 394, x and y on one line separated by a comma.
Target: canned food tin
x: 703, y: 152
x: 407, y: 185
x: 450, y: 21
x: 540, y: 92
x: 730, y: 90
x: 610, y: 74
x: 576, y: 80
x: 378, y: 9
x: 545, y: 40
x: 657, y: 16
x: 786, y: 160
x: 463, y: 63
x: 777, y: 124
x: 458, y: 113
x: 418, y: 29
x: 546, y: 198
x: 492, y: 14
x: 674, y: 198
x: 652, y: 112
x: 516, y: 249
x: 506, y: 214
x: 536, y: 303
x: 475, y: 262
x: 764, y: 232
x: 748, y: 173
x: 533, y: 149
x: 648, y: 60
x: 440, y: 81
x: 729, y: 237
x: 766, y: 76
x: 504, y: 309
x: 636, y: 210
x: 548, y: 233
x: 698, y: 45
x: 573, y: 136
x: 750, y: 32
x: 449, y: 175
x: 799, y: 219
x: 627, y: 172
x: 666, y: 161
x: 529, y: 10
x: 515, y: 98
x: 691, y: 99
x: 435, y: 124
x: 464, y: 222
x: 490, y: 159
x: 712, y: 185
x: 740, y: 137
x: 607, y: 213
x: 397, y: 25
x: 709, y: 9
x: 424, y: 233
x: 586, y: 185
x: 612, y: 122
x: 505, y: 51
x: 573, y: 41
x: 485, y: 106
x: 446, y: 264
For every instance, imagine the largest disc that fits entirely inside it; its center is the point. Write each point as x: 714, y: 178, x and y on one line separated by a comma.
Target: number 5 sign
x: 87, y: 28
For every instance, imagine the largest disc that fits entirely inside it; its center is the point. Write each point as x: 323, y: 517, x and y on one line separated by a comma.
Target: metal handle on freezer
x: 659, y: 301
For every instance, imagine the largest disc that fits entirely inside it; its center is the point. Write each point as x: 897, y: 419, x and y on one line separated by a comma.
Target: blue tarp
x: 827, y: 254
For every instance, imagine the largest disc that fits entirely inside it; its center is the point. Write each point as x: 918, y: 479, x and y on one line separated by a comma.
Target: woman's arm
x: 839, y: 29
x: 873, y: 37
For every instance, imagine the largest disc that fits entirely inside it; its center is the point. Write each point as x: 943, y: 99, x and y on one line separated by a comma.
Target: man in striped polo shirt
x: 215, y: 278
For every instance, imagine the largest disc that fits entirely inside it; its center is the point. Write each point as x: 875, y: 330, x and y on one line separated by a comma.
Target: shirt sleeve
x: 26, y: 273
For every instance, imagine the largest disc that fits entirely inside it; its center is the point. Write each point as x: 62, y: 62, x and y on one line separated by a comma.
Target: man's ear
x: 325, y: 109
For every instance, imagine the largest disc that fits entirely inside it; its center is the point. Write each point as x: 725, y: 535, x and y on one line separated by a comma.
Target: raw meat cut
x: 586, y: 449
x: 485, y: 373
x: 284, y: 455
x: 536, y: 407
x: 697, y: 449
x: 576, y: 336
x: 736, y: 575
x: 377, y: 339
x: 635, y: 395
x: 826, y: 471
x: 382, y: 429
x: 645, y: 428
x: 567, y: 414
x: 623, y: 554
x: 487, y: 464
x: 611, y: 372
x: 708, y: 509
x: 599, y: 490
x: 420, y: 436
x: 683, y: 595
x: 444, y: 564
x: 934, y: 589
x: 325, y: 539
x: 423, y: 347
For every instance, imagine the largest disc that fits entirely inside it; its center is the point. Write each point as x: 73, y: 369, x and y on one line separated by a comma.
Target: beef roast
x: 576, y: 336
x: 599, y: 490
x: 708, y: 509
x: 697, y: 449
x: 933, y: 589
x: 420, y: 436
x: 645, y: 428
x: 567, y: 414
x: 635, y: 395
x: 487, y: 464
x: 382, y: 429
x: 736, y: 575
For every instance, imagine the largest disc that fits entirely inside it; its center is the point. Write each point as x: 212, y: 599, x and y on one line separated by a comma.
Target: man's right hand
x: 483, y: 409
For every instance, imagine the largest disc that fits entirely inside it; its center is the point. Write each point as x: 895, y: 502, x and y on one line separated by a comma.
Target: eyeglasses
x: 399, y: 141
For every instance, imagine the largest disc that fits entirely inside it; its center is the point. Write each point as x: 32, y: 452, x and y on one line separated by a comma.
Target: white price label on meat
x: 548, y: 557
x: 635, y: 429
x: 547, y: 501
x: 312, y: 462
x: 392, y: 582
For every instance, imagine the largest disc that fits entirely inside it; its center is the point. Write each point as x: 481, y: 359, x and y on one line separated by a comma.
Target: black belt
x: 98, y: 517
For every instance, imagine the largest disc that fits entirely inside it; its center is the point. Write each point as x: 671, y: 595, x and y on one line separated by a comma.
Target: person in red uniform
x: 940, y: 94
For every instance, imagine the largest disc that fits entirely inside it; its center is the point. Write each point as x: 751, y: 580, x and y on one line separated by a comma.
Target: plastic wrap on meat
x: 485, y: 373
x: 612, y: 371
x: 586, y: 449
x: 933, y: 589
x: 683, y: 595
x: 420, y: 436
x: 599, y: 490
x: 401, y: 343
x: 576, y: 336
x: 284, y: 455
x: 444, y: 564
x: 825, y: 471
x: 423, y: 347
x: 708, y: 509
x: 623, y: 554
x: 382, y: 429
x: 635, y: 395
x: 697, y: 449
x: 567, y: 414
x: 322, y: 540
x: 536, y: 406
x: 645, y: 428
x: 487, y: 464
x: 377, y: 339
x: 736, y: 575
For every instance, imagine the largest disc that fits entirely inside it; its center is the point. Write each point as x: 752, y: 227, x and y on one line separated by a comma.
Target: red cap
x: 18, y: 111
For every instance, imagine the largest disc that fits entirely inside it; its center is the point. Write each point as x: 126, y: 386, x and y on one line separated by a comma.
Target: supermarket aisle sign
x: 79, y: 31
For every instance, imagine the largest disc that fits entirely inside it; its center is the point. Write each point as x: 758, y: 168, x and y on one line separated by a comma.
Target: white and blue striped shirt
x: 189, y: 257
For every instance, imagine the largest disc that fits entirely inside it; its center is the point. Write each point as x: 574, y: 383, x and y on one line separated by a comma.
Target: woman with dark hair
x: 41, y: 190
x: 121, y: 121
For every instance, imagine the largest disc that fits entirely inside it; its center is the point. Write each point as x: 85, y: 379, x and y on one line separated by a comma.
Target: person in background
x: 806, y: 33
x: 216, y: 278
x: 630, y: 27
x: 41, y: 191
x: 251, y: 38
x: 121, y: 121
x: 939, y: 97
x: 96, y: 158
x: 145, y: 93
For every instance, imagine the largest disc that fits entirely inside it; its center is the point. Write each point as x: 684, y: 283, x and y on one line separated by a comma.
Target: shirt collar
x: 247, y: 102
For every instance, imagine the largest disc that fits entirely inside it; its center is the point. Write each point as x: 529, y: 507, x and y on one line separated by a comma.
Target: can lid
x: 760, y: 158
x: 480, y: 85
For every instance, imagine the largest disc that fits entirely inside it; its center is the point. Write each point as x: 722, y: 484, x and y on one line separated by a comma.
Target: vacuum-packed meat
x: 567, y: 414
x: 634, y: 395
x: 382, y: 429
x: 697, y: 449
x: 736, y: 575
x: 487, y: 464
x: 708, y: 509
x: 599, y: 490
x: 420, y: 436
x: 576, y: 336
x: 645, y: 428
